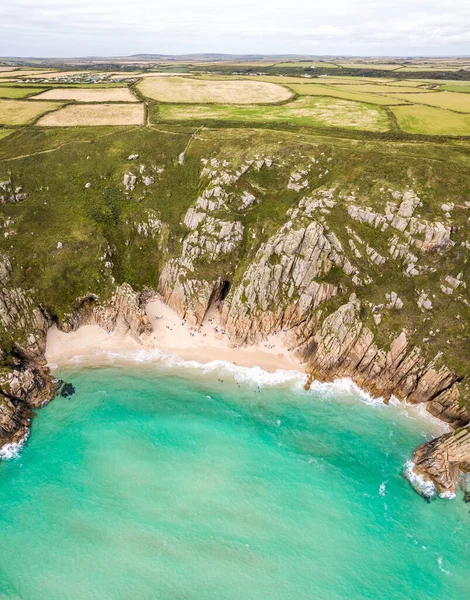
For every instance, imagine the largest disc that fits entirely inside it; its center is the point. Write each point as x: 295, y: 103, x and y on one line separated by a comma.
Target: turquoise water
x: 153, y: 483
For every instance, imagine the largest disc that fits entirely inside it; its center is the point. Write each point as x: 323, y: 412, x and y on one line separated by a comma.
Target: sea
x: 169, y: 480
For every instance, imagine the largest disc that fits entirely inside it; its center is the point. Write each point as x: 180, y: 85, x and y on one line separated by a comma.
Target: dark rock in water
x: 66, y: 390
x: 466, y: 497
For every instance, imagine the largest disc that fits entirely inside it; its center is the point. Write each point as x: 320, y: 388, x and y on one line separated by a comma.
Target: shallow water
x: 162, y: 483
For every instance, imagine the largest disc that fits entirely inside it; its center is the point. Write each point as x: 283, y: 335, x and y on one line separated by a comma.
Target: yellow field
x: 5, y: 69
x: 432, y: 121
x: 226, y: 91
x: 339, y: 92
x: 27, y: 73
x: 94, y: 114
x: 450, y: 100
x: 22, y: 112
x: 380, y: 89
x: 87, y: 95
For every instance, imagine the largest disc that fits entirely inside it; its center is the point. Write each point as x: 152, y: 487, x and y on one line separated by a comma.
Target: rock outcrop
x: 441, y: 460
x: 26, y: 382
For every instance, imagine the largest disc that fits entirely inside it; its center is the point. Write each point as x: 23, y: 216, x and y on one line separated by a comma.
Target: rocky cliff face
x: 366, y: 272
x: 26, y: 383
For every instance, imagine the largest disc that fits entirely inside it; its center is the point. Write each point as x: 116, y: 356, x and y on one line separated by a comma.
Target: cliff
x: 359, y: 252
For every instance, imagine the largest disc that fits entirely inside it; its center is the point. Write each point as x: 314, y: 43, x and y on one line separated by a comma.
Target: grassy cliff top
x: 71, y: 224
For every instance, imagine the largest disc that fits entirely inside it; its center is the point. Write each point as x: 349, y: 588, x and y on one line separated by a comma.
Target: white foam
x: 439, y: 562
x: 447, y: 495
x: 10, y: 451
x: 382, y: 488
x: 422, y: 486
x: 256, y: 376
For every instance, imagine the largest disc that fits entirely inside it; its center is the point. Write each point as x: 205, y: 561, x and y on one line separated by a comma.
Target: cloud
x: 117, y: 27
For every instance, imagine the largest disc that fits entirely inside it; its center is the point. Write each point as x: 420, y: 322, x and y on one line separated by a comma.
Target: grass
x: 94, y: 114
x: 88, y: 95
x: 5, y: 132
x: 302, y: 111
x: 448, y: 100
x: 88, y: 221
x: 28, y: 73
x: 433, y: 121
x: 17, y: 92
x: 287, y: 79
x: 462, y: 87
x: 226, y: 91
x: 307, y: 64
x: 380, y: 88
x: 367, y: 65
x: 21, y: 112
x: 323, y: 90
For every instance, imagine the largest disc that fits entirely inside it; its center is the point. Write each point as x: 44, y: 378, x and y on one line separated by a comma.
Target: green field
x: 376, y: 88
x: 448, y: 100
x: 432, y: 121
x: 365, y: 65
x: 321, y: 80
x: 18, y: 92
x: 340, y: 92
x: 5, y: 132
x: 308, y: 111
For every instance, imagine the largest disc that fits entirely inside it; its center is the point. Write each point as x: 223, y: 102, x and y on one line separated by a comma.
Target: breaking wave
x: 10, y: 451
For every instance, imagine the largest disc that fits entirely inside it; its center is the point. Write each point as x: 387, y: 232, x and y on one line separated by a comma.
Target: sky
x: 67, y: 28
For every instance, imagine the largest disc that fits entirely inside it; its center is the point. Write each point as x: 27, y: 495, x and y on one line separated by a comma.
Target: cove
x: 156, y: 482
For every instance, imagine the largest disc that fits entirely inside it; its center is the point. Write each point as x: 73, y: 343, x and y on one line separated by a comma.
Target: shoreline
x: 172, y: 336
x: 207, y: 351
x: 174, y: 343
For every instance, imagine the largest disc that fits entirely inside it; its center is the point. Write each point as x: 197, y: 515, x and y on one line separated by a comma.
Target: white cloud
x: 118, y: 27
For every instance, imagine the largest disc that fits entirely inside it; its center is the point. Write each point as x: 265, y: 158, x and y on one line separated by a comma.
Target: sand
x: 202, y: 344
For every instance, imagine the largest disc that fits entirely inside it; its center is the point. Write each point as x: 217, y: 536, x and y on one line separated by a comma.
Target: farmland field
x: 450, y: 100
x: 225, y: 91
x: 376, y: 88
x: 22, y: 112
x: 95, y: 114
x: 325, y: 65
x: 339, y: 92
x: 321, y: 112
x: 87, y: 95
x: 321, y: 80
x: 433, y: 121
x: 17, y: 92
x: 379, y: 67
x: 28, y: 73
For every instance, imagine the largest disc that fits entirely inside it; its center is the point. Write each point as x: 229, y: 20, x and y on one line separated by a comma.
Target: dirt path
x: 62, y: 145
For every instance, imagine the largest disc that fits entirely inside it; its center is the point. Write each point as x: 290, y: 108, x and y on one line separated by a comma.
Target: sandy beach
x: 173, y: 336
